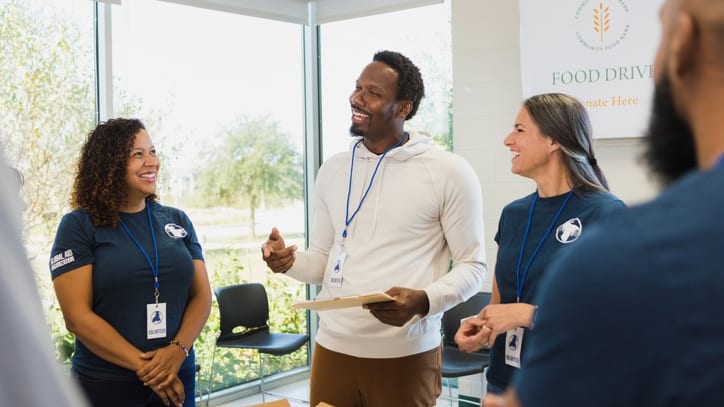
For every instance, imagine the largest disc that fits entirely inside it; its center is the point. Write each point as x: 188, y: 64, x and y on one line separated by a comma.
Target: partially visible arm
x: 500, y: 318
x: 509, y: 399
x: 309, y: 266
x: 75, y: 295
x: 461, y: 221
x: 495, y: 295
x: 198, y: 308
x: 164, y: 363
x: 462, y: 224
x: 473, y: 334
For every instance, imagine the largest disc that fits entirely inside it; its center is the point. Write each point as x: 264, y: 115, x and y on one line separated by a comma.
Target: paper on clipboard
x: 343, y: 302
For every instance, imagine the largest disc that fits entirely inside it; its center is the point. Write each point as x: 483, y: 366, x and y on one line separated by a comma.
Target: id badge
x: 335, y: 279
x: 156, y: 320
x: 513, y: 345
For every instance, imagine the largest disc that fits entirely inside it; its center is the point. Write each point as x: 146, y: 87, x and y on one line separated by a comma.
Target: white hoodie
x: 424, y: 208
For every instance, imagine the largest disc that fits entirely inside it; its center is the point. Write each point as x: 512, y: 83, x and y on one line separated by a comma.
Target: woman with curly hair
x: 129, y: 275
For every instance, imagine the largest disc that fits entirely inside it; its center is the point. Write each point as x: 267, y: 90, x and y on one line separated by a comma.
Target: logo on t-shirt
x: 569, y: 231
x: 175, y: 231
x: 61, y: 259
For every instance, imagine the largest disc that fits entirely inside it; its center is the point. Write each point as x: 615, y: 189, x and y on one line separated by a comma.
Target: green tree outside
x: 47, y: 108
x: 256, y: 164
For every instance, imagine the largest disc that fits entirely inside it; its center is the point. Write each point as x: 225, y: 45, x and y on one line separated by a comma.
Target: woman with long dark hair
x: 550, y: 144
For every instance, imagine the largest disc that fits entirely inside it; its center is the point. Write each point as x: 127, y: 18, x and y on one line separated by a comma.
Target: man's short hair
x: 410, y: 85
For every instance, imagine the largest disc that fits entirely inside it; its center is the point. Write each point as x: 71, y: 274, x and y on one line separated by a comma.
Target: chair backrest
x: 451, y: 318
x: 242, y: 305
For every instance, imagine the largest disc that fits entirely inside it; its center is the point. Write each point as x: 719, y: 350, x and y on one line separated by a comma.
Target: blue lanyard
x: 348, y: 219
x: 719, y: 161
x: 154, y: 268
x: 519, y: 281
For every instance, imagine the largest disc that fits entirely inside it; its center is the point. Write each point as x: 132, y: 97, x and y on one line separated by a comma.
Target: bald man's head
x: 708, y: 18
x: 693, y: 32
x: 689, y: 73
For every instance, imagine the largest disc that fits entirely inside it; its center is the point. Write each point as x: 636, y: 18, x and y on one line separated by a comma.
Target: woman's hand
x: 472, y: 335
x: 162, y: 366
x: 172, y: 393
x: 499, y: 318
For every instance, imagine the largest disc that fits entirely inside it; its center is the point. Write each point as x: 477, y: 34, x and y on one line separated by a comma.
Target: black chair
x: 244, y: 315
x: 455, y: 362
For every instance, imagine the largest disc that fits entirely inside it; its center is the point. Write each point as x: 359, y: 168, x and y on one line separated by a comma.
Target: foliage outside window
x: 423, y: 34
x: 47, y: 107
x: 225, y: 111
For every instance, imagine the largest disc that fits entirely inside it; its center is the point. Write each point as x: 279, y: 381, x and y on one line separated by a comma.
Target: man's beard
x: 669, y: 140
x: 353, y: 131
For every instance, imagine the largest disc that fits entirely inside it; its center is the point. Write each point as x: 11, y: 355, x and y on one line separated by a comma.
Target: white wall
x: 486, y: 97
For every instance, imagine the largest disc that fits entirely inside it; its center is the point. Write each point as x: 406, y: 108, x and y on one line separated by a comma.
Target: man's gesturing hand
x: 277, y: 256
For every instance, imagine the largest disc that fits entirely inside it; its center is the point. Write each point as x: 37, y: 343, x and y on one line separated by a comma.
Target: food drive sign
x: 599, y: 51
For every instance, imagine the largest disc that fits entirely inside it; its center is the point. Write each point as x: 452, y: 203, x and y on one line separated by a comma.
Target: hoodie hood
x: 416, y: 145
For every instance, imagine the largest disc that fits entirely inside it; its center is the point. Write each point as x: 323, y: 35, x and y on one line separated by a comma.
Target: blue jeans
x: 122, y: 393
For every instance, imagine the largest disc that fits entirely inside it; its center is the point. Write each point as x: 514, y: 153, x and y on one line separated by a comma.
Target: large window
x: 422, y: 34
x: 222, y: 97
x: 47, y: 106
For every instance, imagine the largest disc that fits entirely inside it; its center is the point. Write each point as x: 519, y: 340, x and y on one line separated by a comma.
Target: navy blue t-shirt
x: 633, y: 316
x: 581, y: 211
x: 123, y: 282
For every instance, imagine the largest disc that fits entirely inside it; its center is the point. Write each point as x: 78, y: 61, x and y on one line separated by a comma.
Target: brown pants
x: 347, y: 381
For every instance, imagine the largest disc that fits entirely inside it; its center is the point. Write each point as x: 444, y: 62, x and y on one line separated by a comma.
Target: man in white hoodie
x: 395, y: 214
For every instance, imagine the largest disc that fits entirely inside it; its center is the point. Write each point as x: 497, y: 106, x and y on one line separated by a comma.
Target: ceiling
x: 305, y: 11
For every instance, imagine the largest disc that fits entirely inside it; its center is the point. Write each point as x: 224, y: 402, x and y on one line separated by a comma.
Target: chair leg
x: 271, y: 393
x: 261, y: 378
x: 483, y: 387
x: 449, y: 391
x: 199, y: 390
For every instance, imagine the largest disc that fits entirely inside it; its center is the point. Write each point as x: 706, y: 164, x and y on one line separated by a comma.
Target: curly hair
x: 410, y: 86
x: 100, y: 179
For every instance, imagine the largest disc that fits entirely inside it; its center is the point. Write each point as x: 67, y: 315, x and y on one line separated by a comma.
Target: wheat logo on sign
x: 611, y: 24
x: 601, y: 19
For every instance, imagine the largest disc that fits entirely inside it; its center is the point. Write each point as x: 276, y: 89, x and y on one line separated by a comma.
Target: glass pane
x: 222, y: 98
x: 422, y: 34
x: 47, y: 106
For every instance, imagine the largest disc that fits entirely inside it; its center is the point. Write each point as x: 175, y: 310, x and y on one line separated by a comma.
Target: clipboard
x: 342, y: 302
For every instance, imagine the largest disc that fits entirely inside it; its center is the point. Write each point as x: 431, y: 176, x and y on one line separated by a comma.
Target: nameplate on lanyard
x: 156, y: 320
x: 335, y: 278
x: 513, y: 345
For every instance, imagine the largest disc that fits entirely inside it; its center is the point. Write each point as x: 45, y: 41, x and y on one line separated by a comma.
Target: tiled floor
x: 301, y: 390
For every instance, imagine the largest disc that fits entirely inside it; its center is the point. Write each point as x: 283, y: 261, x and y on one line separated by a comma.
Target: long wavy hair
x: 565, y: 120
x: 100, y: 178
